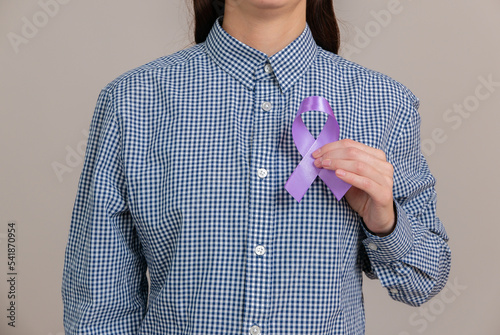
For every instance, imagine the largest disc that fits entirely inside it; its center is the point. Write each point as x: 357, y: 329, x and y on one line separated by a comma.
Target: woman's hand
x: 371, y: 176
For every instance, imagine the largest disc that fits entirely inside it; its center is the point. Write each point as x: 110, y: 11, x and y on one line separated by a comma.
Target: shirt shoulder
x: 131, y: 79
x: 372, y: 82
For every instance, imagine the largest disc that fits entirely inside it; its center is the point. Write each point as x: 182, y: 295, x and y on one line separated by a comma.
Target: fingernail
x: 327, y: 162
x: 340, y: 172
x: 316, y: 153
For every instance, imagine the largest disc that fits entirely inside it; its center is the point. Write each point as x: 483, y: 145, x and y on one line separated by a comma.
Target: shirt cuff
x: 394, y: 246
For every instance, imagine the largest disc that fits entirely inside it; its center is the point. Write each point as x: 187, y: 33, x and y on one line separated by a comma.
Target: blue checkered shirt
x: 182, y: 224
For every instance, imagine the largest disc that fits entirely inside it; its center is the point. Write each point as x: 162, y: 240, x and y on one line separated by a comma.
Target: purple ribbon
x: 305, y: 173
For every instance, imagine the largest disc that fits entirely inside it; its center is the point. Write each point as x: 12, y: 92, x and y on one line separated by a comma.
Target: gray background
x: 442, y: 50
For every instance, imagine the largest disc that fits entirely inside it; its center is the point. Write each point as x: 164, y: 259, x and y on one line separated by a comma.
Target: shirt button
x: 266, y: 106
x: 260, y: 250
x: 394, y: 291
x: 262, y: 173
x: 255, y: 330
x: 268, y: 68
x: 372, y: 246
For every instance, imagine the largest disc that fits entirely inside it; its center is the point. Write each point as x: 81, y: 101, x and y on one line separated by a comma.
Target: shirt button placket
x: 261, y: 201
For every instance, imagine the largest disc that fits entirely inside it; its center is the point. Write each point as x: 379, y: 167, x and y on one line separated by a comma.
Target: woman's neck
x: 266, y: 29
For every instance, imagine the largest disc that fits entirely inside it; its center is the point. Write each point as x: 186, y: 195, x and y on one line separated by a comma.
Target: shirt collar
x: 245, y: 63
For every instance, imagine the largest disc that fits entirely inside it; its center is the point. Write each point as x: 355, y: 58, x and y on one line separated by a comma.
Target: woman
x: 185, y: 174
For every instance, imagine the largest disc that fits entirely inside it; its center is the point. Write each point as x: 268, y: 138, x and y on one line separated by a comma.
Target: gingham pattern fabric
x: 184, y: 175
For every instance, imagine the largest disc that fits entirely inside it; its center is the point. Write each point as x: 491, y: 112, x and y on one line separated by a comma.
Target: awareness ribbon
x: 305, y: 173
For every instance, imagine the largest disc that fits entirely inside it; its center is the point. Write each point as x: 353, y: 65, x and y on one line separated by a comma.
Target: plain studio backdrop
x: 56, y: 56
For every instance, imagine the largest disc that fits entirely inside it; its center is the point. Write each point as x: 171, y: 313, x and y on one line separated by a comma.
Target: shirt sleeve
x: 104, y: 286
x: 413, y: 262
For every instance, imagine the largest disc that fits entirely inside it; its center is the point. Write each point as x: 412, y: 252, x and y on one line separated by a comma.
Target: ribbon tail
x: 338, y: 187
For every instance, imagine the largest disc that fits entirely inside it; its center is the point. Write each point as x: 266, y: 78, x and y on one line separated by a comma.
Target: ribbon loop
x: 305, y: 173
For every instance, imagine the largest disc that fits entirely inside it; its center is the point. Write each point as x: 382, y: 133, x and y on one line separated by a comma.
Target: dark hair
x: 319, y: 16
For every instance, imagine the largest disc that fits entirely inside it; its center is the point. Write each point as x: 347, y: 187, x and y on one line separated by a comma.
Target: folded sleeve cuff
x: 394, y: 246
